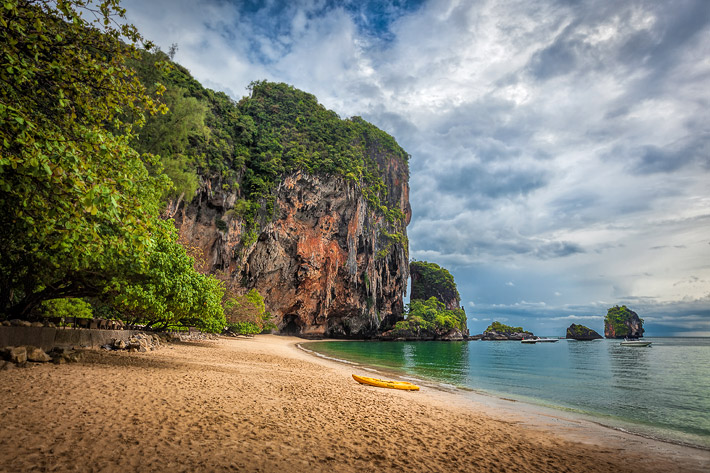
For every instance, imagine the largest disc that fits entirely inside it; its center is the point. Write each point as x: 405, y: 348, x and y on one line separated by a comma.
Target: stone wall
x: 47, y: 338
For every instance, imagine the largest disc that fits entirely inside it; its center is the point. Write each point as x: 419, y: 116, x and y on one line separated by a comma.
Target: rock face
x: 434, y: 311
x: 580, y: 332
x: 499, y: 331
x: 453, y: 335
x: 622, y: 322
x: 494, y: 335
x: 326, y: 263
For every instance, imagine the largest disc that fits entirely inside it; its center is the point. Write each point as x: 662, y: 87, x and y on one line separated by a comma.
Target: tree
x: 246, y: 313
x: 167, y: 135
x: 167, y: 291
x: 431, y: 315
x: 74, y: 196
x: 78, y: 206
x: 173, y: 49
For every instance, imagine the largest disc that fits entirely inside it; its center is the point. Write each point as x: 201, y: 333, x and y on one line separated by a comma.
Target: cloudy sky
x: 560, y: 149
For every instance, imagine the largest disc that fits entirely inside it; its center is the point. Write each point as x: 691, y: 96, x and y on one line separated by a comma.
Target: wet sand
x: 261, y: 404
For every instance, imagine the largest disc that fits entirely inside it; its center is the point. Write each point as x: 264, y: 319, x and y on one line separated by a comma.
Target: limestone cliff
x: 323, y: 263
x: 434, y: 312
x: 580, y: 332
x: 431, y: 280
x: 494, y: 335
x: 279, y: 194
x: 621, y: 322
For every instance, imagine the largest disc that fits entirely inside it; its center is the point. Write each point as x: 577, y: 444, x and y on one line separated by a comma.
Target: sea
x: 661, y: 391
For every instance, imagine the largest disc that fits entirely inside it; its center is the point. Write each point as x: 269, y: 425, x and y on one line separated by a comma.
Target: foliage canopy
x: 431, y: 280
x: 246, y: 314
x: 431, y: 315
x: 78, y: 205
x: 502, y: 328
x: 251, y: 144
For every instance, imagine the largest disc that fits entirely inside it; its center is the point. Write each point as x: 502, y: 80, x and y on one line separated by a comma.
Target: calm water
x: 661, y: 391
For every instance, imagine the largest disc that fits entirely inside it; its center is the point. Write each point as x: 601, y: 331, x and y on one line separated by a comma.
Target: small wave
x: 412, y: 378
x: 646, y: 435
x: 448, y: 386
x: 320, y: 355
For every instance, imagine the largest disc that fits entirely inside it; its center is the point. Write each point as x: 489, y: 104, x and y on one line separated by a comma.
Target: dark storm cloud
x: 655, y: 159
x: 572, y: 206
x: 562, y: 57
x: 480, y: 184
x: 489, y: 126
x: 443, y: 237
x: 677, y: 24
x: 557, y: 249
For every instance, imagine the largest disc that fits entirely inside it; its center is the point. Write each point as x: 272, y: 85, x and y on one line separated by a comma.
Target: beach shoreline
x: 496, y: 402
x: 262, y: 404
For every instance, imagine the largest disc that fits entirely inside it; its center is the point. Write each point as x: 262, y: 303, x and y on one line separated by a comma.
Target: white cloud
x: 576, y: 317
x: 552, y: 145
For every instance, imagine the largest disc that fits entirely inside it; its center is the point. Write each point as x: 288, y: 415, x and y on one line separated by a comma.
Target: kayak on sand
x: 381, y: 383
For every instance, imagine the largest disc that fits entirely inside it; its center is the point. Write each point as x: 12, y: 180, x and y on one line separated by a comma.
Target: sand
x: 261, y: 404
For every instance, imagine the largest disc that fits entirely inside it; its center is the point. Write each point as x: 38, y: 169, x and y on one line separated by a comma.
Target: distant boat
x: 538, y: 339
x: 631, y: 342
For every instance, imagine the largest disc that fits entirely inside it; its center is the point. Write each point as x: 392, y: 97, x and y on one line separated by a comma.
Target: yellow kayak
x: 381, y: 383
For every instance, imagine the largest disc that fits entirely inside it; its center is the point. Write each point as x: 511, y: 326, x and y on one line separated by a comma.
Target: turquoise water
x: 661, y: 391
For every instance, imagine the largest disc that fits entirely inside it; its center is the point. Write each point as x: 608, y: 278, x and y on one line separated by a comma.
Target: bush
x: 431, y: 315
x: 502, y: 328
x: 69, y: 307
x: 244, y: 328
x: 246, y: 314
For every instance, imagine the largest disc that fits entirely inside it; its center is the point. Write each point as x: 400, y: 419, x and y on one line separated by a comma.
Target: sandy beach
x: 261, y: 404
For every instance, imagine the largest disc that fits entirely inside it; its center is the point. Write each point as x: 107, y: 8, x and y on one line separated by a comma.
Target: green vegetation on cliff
x: 250, y: 145
x: 292, y: 131
x: 502, y: 328
x: 431, y: 316
x: 433, y: 287
x: 431, y: 280
x: 619, y: 319
x: 578, y: 330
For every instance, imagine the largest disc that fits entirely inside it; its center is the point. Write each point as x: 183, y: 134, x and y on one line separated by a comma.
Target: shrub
x: 69, y: 307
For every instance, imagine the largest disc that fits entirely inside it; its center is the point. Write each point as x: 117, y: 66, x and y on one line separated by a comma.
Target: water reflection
x: 628, y: 364
x: 580, y: 351
x: 446, y: 361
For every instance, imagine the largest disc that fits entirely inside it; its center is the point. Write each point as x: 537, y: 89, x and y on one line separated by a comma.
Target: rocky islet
x: 580, y: 332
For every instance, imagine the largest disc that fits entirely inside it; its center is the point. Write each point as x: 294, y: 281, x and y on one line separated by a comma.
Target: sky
x: 560, y: 149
